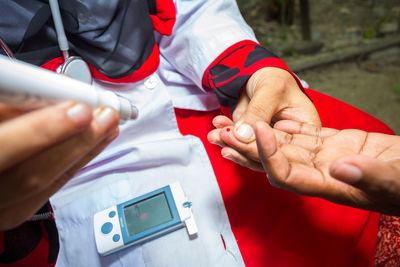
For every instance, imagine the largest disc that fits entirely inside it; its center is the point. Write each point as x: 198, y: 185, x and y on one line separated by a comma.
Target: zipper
x: 42, y: 216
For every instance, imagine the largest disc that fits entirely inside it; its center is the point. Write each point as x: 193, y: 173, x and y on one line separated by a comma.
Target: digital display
x: 147, y: 213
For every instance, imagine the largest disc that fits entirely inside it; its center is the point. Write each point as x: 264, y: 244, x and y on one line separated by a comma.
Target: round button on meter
x: 106, y: 228
x: 116, y: 237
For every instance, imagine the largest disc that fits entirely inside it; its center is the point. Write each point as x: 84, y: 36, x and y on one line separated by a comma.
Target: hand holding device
x: 30, y: 87
x: 41, y: 150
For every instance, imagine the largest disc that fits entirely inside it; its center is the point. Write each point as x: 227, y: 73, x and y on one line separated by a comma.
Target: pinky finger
x: 233, y: 155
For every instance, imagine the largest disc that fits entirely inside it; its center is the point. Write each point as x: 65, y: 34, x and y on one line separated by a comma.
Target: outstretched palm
x: 350, y: 167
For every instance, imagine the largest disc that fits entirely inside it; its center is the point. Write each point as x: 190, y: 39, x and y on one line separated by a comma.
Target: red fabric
x: 388, y: 248
x: 53, y: 64
x: 150, y: 66
x: 278, y: 228
x: 38, y: 257
x: 235, y: 56
x: 207, y: 80
x: 164, y: 20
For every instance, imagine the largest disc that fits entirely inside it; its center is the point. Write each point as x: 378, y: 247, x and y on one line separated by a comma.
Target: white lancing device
x: 29, y: 87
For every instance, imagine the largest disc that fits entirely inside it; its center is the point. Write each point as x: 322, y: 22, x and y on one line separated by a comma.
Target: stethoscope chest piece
x: 76, y: 68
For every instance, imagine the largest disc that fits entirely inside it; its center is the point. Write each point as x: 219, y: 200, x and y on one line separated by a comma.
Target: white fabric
x: 203, y: 30
x: 148, y: 154
x: 151, y: 153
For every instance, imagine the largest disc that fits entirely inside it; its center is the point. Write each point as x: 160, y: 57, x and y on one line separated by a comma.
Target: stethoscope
x: 73, y: 66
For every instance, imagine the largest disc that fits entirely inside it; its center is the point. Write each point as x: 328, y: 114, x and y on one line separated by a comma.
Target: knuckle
x: 289, y: 139
x: 257, y: 108
x: 276, y: 182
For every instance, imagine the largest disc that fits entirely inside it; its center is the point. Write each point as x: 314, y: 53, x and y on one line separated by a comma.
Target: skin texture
x: 43, y: 149
x: 349, y: 167
x: 270, y: 95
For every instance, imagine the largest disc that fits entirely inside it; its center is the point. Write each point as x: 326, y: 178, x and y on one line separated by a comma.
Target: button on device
x: 116, y: 237
x: 111, y: 214
x: 106, y: 228
x: 150, y: 82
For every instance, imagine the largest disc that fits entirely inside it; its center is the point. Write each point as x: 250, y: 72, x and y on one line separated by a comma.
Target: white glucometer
x: 143, y: 218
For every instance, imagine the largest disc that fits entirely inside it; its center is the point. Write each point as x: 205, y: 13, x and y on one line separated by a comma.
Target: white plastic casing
x: 104, y: 241
x: 185, y: 213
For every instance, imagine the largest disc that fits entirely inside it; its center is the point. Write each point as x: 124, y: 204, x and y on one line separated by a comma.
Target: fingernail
x: 105, y: 118
x: 213, y: 142
x: 227, y: 156
x: 348, y: 173
x: 245, y: 132
x: 79, y: 113
x: 216, y: 122
x: 114, y: 134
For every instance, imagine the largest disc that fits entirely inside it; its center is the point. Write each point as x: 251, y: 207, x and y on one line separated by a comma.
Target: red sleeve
x: 227, y: 74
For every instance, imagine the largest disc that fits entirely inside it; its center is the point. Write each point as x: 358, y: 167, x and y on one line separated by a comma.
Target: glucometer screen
x: 147, y: 213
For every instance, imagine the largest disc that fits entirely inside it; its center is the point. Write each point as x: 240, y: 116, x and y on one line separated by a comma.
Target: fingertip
x: 113, y: 135
x: 262, y: 131
x: 211, y: 137
x: 106, y: 117
x: 226, y: 152
x: 232, y: 155
x: 227, y: 136
x: 373, y: 176
x: 221, y: 121
x: 244, y: 132
x: 260, y: 126
x: 354, y: 160
x: 352, y: 169
x: 346, y: 172
x: 286, y: 125
x: 214, y: 137
x: 78, y: 113
x: 216, y: 122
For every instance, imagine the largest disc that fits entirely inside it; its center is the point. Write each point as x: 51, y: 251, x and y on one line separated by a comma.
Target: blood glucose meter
x: 143, y: 218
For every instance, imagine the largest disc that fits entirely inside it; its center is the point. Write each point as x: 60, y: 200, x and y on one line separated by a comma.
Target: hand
x: 43, y: 149
x: 349, y: 167
x: 270, y: 95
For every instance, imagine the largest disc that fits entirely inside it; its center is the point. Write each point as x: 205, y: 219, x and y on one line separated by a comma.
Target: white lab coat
x: 150, y: 152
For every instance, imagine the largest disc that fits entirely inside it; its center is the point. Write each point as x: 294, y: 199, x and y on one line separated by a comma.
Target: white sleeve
x: 203, y: 30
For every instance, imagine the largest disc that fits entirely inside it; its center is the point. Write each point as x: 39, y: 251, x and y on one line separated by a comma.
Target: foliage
x: 396, y: 88
x: 370, y: 33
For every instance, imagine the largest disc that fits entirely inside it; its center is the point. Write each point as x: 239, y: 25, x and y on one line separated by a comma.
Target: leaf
x: 369, y: 34
x: 396, y: 88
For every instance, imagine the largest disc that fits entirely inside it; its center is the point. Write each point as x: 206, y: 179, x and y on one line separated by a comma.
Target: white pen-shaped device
x: 29, y: 87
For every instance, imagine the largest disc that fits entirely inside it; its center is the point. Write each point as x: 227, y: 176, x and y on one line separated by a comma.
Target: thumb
x: 258, y: 109
x: 375, y: 177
